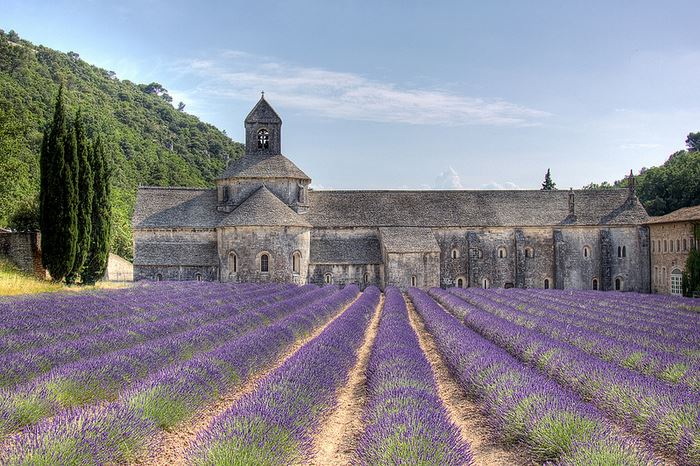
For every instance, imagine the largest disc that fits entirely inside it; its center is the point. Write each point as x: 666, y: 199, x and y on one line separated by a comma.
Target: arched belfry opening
x: 263, y: 130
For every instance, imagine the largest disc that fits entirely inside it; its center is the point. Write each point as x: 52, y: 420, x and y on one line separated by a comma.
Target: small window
x: 263, y: 139
x: 676, y: 282
x: 618, y: 284
x: 685, y: 244
x: 529, y: 252
x: 678, y: 245
x: 198, y: 277
x: 502, y: 253
x: 232, y: 262
x: 653, y: 246
x: 226, y: 193
x: 455, y: 254
x: 485, y: 283
x: 328, y: 278
x: 665, y: 245
x: 296, y: 262
x: 624, y: 251
x: 671, y: 246
x: 595, y: 284
x: 159, y: 277
x: 546, y: 283
x: 413, y: 280
x: 586, y: 251
x: 366, y: 278
x: 479, y: 253
x: 658, y: 246
x: 264, y: 263
x: 619, y: 251
x: 460, y: 283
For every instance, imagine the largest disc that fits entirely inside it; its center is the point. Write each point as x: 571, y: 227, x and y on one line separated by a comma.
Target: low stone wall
x: 24, y: 250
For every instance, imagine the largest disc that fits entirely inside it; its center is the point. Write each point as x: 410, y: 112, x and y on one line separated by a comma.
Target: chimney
x: 631, y: 185
x: 571, y: 202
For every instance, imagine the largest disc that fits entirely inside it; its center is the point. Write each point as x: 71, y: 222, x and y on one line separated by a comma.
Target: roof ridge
x: 172, y: 188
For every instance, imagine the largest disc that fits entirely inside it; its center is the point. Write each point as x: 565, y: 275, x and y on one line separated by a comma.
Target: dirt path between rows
x: 339, y: 434
x: 169, y: 448
x: 465, y: 413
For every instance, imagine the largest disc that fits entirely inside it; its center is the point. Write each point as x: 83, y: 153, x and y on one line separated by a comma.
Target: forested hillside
x: 670, y: 186
x: 149, y: 142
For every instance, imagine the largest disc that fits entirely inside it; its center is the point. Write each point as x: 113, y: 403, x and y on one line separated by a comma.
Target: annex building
x: 263, y: 223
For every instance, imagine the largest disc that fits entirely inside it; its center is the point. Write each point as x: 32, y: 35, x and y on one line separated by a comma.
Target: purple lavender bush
x: 405, y: 420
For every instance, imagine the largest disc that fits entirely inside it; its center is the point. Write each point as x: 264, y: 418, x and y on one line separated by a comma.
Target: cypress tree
x: 96, y: 262
x: 548, y: 184
x: 58, y: 198
x: 85, y: 195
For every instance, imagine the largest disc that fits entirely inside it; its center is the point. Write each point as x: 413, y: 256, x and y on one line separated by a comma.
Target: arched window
x: 586, y: 251
x: 485, y: 283
x: 198, y: 277
x: 460, y: 282
x: 479, y: 253
x: 618, y: 284
x: 232, y: 262
x: 685, y: 244
x: 658, y: 246
x: 624, y: 251
x: 296, y: 262
x: 366, y: 278
x: 413, y: 280
x: 665, y: 245
x: 264, y: 263
x: 546, y: 283
x: 529, y: 252
x: 619, y: 251
x: 263, y: 139
x: 328, y: 278
x: 678, y: 245
x: 159, y: 277
x: 455, y: 253
x: 595, y: 284
x: 676, y: 282
x: 502, y: 253
x: 671, y: 246
x: 226, y: 192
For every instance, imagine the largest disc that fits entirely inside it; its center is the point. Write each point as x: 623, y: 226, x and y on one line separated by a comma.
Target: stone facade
x: 263, y: 223
x: 672, y: 238
x: 24, y: 250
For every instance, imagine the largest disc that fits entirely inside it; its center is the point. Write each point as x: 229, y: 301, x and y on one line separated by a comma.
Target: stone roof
x: 363, y: 250
x: 408, y: 239
x: 263, y: 166
x: 175, y: 253
x: 686, y: 214
x: 472, y: 208
x: 263, y: 113
x: 262, y: 208
x: 158, y: 207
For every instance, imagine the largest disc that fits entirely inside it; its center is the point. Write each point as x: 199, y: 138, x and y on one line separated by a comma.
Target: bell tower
x: 263, y: 130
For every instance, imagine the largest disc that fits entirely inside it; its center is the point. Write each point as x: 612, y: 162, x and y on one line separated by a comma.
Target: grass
x: 14, y: 281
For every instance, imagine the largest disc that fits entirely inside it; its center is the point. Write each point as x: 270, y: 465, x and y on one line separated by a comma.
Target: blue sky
x: 412, y: 94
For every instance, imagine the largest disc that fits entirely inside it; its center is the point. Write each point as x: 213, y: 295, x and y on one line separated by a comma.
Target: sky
x: 412, y: 94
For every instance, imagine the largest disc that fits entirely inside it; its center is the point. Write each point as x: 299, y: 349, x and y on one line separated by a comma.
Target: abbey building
x: 263, y: 223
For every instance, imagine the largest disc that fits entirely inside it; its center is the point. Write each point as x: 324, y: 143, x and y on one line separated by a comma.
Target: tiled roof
x: 686, y: 214
x: 175, y: 207
x: 263, y: 113
x: 363, y: 250
x: 175, y: 253
x: 263, y: 166
x: 263, y: 208
x: 408, y: 239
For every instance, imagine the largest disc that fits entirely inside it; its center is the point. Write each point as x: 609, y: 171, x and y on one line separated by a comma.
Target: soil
x: 169, y: 448
x: 339, y: 434
x: 466, y: 414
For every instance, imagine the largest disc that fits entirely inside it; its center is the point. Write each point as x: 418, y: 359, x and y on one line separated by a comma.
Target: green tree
x: 58, y: 196
x: 96, y: 262
x: 691, y: 277
x: 693, y: 142
x: 548, y: 184
x: 85, y: 187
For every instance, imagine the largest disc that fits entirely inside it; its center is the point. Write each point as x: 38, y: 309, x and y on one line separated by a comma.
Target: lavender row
x: 56, y: 310
x: 522, y: 404
x: 663, y: 365
x: 24, y: 366
x: 405, y: 420
x: 150, y: 309
x: 665, y: 415
x: 103, y: 378
x: 276, y: 423
x: 173, y: 394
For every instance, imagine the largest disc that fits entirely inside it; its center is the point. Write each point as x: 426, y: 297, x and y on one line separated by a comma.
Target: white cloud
x: 344, y: 95
x: 500, y: 186
x: 448, y: 179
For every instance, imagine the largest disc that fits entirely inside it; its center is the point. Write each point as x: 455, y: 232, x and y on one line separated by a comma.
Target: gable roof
x: 158, y: 207
x: 408, y: 239
x: 263, y: 208
x: 472, y: 208
x: 362, y: 250
x: 175, y: 253
x: 263, y: 166
x: 686, y: 214
x: 263, y: 113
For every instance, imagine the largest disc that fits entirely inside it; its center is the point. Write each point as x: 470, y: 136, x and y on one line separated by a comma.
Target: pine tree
x: 85, y: 187
x: 58, y: 197
x: 96, y: 262
x: 548, y: 184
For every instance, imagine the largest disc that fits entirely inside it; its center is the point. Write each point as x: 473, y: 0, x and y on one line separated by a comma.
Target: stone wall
x: 24, y: 250
x: 287, y: 189
x: 401, y: 268
x: 176, y: 254
x: 671, y: 243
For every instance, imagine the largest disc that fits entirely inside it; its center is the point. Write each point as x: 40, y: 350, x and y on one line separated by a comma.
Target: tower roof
x: 263, y: 113
x: 263, y: 208
x: 263, y: 166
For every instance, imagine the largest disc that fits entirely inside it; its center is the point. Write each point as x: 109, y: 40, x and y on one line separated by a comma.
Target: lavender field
x: 220, y: 374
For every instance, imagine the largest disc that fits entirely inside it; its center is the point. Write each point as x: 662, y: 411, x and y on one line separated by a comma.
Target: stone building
x: 672, y: 238
x: 262, y: 222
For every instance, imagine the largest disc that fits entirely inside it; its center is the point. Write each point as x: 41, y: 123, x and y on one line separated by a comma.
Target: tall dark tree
x: 693, y: 142
x: 58, y: 196
x: 85, y: 187
x: 691, y: 277
x: 96, y: 262
x: 548, y: 184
